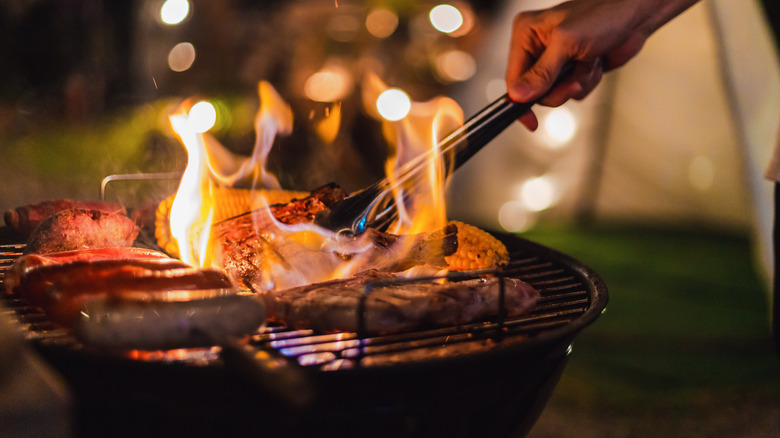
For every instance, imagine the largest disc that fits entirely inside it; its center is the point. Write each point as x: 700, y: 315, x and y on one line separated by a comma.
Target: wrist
x: 660, y: 12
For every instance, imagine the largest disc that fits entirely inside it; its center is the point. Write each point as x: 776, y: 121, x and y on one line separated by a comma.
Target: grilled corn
x: 228, y: 203
x: 477, y: 249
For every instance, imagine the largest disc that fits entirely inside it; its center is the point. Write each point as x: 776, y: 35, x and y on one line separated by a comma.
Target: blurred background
x: 655, y: 180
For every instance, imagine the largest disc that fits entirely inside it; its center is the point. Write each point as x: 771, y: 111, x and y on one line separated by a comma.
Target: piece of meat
x: 29, y: 262
x: 266, y: 249
x: 65, y: 298
x: 392, y: 305
x: 24, y: 219
x: 34, y: 284
x: 118, y: 324
x: 258, y: 254
x: 81, y: 229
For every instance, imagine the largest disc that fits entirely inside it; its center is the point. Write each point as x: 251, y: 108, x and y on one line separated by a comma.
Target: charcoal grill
x: 491, y: 378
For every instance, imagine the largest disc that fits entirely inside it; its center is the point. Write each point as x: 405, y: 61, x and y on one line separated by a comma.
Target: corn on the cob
x: 228, y: 203
x: 477, y: 249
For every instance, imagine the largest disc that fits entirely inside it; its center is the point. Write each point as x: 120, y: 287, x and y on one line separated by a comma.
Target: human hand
x: 595, y: 36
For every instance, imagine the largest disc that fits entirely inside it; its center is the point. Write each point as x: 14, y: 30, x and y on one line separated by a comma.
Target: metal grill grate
x: 571, y: 297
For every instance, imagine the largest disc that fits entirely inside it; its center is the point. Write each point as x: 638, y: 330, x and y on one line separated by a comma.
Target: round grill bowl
x: 487, y: 379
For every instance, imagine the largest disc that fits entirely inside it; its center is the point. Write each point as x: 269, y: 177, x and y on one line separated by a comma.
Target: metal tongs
x: 374, y: 205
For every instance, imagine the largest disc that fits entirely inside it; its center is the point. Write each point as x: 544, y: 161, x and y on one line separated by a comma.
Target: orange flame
x: 415, y: 167
x: 318, y: 253
x: 211, y: 165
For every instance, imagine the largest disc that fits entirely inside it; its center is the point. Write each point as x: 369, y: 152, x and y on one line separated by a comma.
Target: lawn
x: 684, y: 348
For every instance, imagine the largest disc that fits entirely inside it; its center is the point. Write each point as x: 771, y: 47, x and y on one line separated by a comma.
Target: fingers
x: 529, y: 120
x: 525, y: 48
x: 538, y: 79
x: 583, y: 79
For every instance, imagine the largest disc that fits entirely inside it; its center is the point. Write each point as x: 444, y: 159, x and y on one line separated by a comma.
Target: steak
x: 392, y: 305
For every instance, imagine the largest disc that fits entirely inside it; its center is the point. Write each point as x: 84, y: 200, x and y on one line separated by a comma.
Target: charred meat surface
x: 33, y: 284
x: 81, y: 229
x: 259, y: 256
x: 61, y: 290
x: 27, y: 263
x: 24, y: 219
x: 392, y: 305
x: 117, y: 324
x: 305, y: 209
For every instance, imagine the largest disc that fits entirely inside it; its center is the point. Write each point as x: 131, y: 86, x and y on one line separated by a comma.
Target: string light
x: 514, y: 217
x: 538, y: 193
x: 393, y: 104
x: 381, y: 22
x: 328, y: 85
x: 559, y: 126
x: 173, y: 12
x: 446, y: 18
x: 495, y: 88
x: 181, y: 57
x: 202, y: 117
x: 455, y: 66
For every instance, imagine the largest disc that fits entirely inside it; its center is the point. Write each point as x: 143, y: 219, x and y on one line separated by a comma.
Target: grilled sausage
x: 24, y: 219
x: 63, y: 301
x: 35, y: 283
x: 81, y: 229
x: 29, y: 262
x: 135, y: 325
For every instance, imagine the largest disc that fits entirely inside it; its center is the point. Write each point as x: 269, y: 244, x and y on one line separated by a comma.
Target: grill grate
x: 571, y: 297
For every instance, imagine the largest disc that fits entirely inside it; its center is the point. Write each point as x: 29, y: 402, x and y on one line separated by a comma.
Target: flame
x: 210, y: 165
x: 415, y: 169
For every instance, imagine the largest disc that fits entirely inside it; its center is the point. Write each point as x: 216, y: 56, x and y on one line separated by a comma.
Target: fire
x: 415, y: 169
x: 415, y: 166
x: 210, y: 166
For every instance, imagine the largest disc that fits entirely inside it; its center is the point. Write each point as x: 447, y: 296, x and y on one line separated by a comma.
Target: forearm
x: 660, y: 12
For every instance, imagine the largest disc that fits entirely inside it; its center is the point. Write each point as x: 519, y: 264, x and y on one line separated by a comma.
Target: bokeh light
x: 393, y: 104
x: 181, y: 57
x: 174, y: 11
x: 343, y: 28
x: 495, y: 88
x: 446, y: 18
x: 202, y: 116
x: 514, y: 217
x: 455, y: 66
x: 559, y: 126
x: 330, y: 84
x: 538, y: 193
x: 381, y: 22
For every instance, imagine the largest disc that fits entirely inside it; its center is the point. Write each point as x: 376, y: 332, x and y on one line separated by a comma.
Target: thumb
x: 538, y: 79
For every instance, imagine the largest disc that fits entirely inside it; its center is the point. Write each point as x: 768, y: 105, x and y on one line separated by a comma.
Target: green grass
x: 687, y: 320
